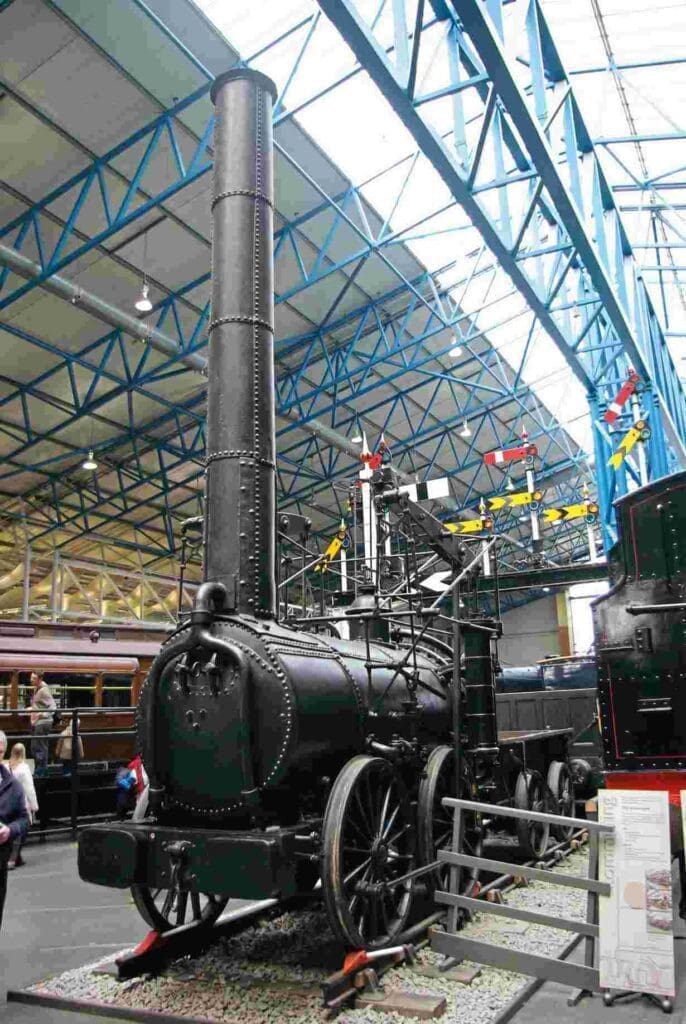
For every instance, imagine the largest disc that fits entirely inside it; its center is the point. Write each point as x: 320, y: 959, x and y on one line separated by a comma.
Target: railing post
x: 456, y: 873
x: 75, y: 760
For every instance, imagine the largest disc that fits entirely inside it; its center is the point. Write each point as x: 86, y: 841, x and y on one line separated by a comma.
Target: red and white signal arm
x: 621, y: 398
x: 516, y: 454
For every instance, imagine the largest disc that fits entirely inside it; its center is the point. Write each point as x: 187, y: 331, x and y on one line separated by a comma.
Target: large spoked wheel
x: 164, y: 909
x: 368, y: 843
x: 531, y: 795
x: 562, y: 788
x: 435, y: 822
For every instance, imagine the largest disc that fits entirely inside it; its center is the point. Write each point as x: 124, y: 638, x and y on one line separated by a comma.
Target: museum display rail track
x: 158, y: 950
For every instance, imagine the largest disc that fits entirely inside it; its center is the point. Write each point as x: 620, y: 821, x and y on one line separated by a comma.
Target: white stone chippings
x: 272, y: 971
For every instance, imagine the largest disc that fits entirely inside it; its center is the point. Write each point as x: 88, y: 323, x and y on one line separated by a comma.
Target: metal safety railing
x: 107, y: 766
x: 584, y: 977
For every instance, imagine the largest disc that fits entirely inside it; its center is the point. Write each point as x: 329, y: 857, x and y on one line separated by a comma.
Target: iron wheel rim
x: 368, y: 842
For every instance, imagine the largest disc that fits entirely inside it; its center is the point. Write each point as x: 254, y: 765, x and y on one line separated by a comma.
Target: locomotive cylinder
x: 241, y: 445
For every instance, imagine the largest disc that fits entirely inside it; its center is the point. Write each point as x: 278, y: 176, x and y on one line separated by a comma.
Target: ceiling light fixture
x: 465, y: 432
x: 90, y: 462
x: 509, y: 486
x: 143, y: 304
x: 456, y: 351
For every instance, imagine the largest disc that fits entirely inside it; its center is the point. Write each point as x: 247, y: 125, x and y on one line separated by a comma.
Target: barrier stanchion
x: 585, y: 978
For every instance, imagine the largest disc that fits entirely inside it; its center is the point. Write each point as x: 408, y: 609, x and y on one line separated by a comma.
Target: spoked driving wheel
x: 368, y: 843
x: 435, y: 822
x: 164, y: 909
x: 531, y: 795
x: 562, y: 788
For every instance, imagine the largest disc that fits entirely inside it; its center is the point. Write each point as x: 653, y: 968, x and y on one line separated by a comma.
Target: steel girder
x: 524, y: 190
x: 57, y: 243
x: 393, y: 351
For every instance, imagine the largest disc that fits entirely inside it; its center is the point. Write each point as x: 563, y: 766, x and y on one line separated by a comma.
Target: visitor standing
x: 14, y: 818
x: 43, y: 707
x: 19, y: 767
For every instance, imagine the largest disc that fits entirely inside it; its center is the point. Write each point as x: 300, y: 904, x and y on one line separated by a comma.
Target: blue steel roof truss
x: 589, y: 264
x: 331, y: 372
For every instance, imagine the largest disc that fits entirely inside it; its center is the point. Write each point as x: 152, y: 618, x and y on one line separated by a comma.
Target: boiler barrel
x: 311, y: 714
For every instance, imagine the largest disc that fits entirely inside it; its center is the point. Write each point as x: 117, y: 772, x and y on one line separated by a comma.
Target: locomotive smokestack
x: 240, y: 513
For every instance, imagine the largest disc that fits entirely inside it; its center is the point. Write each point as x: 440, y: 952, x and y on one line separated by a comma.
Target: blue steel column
x: 604, y: 481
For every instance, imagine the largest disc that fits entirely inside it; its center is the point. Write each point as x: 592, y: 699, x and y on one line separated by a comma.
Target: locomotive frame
x: 275, y: 756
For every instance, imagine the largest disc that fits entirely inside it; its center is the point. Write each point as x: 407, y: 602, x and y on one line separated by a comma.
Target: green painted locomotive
x: 640, y: 638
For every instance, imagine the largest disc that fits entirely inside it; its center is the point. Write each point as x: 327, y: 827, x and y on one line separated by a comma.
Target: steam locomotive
x: 640, y: 640
x: 278, y: 757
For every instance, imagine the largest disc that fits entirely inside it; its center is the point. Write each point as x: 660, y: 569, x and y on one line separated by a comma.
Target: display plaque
x: 636, y: 924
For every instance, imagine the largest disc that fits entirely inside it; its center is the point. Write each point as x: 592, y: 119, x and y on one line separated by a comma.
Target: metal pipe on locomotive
x: 277, y: 756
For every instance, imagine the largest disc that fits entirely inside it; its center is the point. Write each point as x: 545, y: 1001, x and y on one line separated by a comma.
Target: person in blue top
x: 14, y: 818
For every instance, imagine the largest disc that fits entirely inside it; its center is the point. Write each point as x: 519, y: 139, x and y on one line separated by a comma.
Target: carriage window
x: 25, y: 691
x: 74, y: 690
x: 78, y: 691
x: 5, y: 692
x: 116, y: 692
x: 70, y: 690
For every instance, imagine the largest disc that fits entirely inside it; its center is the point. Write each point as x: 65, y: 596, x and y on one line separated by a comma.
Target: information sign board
x: 636, y: 925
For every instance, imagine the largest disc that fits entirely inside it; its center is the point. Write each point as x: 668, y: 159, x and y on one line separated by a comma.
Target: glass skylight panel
x: 643, y: 33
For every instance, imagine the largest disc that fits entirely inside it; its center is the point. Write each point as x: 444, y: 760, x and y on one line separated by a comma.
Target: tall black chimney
x: 240, y: 512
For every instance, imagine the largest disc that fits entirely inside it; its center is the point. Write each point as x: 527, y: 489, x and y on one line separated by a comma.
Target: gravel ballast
x: 272, y: 971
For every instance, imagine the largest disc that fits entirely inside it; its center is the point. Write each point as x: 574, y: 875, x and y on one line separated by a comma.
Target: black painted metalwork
x: 240, y: 527
x: 268, y: 748
x: 640, y: 633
